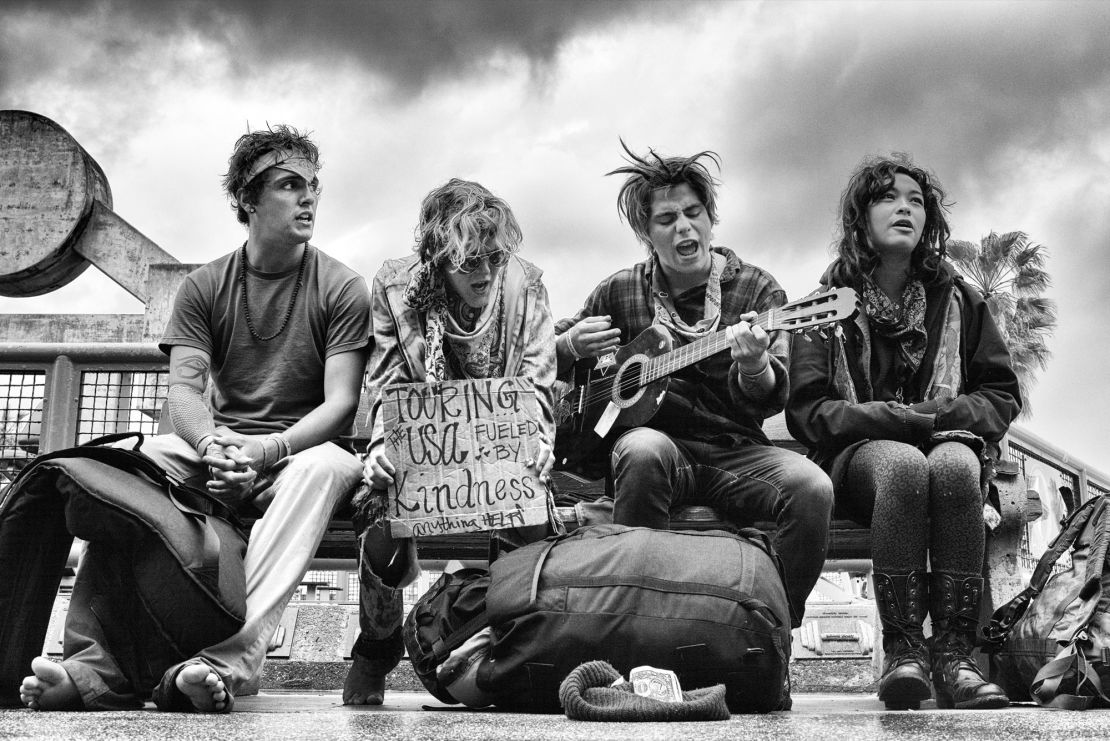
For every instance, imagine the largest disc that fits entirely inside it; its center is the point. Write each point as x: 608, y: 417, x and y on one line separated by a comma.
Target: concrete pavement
x: 841, y: 716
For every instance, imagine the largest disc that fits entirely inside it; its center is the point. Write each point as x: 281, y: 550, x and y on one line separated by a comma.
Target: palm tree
x: 1010, y: 271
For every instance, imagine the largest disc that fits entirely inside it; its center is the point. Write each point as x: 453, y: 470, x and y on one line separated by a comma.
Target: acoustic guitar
x: 626, y: 388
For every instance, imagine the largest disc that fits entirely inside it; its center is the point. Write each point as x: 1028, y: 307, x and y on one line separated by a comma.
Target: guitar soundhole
x: 628, y: 385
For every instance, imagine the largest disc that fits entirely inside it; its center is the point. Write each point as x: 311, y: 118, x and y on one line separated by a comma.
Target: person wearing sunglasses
x: 464, y: 306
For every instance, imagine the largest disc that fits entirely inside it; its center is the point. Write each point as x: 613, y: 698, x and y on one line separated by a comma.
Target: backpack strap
x: 1071, y: 661
x: 1001, y: 624
x: 191, y: 500
x: 444, y: 646
x: 196, y: 503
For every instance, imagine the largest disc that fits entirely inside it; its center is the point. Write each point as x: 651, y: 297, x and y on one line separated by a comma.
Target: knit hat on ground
x: 587, y: 694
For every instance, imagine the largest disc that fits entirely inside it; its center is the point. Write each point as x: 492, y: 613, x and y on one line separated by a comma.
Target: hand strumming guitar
x: 592, y: 337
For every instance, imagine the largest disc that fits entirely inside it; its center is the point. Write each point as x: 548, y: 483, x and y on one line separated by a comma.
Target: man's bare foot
x: 203, y: 687
x: 363, y: 686
x: 49, y: 688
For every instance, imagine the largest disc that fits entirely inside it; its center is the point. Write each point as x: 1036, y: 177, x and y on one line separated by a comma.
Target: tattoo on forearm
x: 192, y: 368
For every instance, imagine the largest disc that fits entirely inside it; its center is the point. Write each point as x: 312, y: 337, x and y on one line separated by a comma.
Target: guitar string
x: 655, y: 369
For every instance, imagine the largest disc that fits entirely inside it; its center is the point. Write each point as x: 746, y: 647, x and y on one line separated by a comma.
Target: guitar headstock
x: 812, y: 311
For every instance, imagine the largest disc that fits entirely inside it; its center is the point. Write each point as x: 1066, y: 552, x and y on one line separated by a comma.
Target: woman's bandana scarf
x: 904, y: 324
x: 478, y: 352
x: 667, y: 315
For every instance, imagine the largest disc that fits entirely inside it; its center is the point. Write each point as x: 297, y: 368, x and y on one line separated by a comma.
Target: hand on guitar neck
x: 748, y: 344
x: 626, y: 390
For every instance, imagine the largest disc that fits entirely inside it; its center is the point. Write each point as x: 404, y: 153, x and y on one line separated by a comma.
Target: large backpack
x: 185, y: 549
x: 442, y: 620
x: 710, y: 606
x: 1051, y: 643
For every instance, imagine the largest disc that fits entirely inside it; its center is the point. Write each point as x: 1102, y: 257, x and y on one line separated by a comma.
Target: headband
x: 285, y: 159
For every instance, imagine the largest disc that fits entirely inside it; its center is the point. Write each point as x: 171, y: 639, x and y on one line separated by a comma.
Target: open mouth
x: 305, y: 219
x: 481, y: 287
x: 687, y: 247
x: 903, y: 224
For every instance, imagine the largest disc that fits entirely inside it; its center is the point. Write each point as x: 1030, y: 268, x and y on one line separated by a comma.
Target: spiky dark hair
x: 251, y: 146
x: 651, y: 172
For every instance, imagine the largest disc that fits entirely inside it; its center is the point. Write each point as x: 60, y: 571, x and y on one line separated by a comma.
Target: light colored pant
x: 297, y: 508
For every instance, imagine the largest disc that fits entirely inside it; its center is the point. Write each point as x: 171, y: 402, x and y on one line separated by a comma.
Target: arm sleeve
x: 189, y: 414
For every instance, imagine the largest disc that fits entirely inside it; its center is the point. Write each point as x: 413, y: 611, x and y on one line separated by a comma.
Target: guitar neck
x: 696, y: 351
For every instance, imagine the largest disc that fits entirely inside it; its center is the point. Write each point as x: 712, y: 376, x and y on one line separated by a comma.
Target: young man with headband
x: 281, y: 330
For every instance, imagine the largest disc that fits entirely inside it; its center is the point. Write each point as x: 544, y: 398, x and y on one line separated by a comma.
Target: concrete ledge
x: 827, y: 675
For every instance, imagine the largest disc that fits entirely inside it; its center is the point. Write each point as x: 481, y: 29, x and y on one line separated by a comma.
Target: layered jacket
x: 397, y: 354
x: 819, y: 415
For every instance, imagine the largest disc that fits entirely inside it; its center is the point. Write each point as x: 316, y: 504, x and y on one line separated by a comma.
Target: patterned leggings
x: 918, y: 504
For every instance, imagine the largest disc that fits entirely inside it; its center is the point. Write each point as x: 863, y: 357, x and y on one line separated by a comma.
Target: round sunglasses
x: 496, y: 260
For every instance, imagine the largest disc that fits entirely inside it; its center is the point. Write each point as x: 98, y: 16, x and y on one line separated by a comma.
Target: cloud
x: 1009, y: 103
x: 407, y: 43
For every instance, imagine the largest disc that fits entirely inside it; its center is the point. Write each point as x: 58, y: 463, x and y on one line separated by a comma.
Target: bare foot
x: 203, y: 687
x: 363, y: 686
x: 49, y: 688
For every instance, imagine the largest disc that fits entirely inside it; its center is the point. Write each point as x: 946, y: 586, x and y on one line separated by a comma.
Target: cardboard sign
x: 460, y: 449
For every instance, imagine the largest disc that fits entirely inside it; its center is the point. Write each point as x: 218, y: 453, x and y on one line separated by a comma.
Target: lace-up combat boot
x: 954, y: 606
x: 902, y: 603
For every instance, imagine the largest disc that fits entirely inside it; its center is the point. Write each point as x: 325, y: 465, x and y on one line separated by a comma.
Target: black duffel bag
x: 710, y: 606
x: 185, y: 549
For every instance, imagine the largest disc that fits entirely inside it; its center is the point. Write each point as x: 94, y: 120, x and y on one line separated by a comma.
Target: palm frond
x: 961, y: 251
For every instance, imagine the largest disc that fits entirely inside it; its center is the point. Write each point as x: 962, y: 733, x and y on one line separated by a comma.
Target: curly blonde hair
x: 459, y: 218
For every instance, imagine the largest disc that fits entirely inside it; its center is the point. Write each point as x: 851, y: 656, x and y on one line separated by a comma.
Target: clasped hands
x: 234, y: 462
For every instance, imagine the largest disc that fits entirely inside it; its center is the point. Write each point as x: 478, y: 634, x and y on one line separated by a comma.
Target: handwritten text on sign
x: 460, y: 449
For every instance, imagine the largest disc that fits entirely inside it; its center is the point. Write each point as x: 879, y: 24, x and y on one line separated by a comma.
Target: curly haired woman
x: 904, y: 407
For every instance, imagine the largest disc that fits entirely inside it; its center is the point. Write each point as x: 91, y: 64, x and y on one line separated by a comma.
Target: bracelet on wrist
x: 758, y: 373
x: 570, y: 346
x: 202, y: 445
x: 281, y: 447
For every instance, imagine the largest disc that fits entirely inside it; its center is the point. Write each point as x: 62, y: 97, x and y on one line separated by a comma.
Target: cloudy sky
x: 1007, y: 102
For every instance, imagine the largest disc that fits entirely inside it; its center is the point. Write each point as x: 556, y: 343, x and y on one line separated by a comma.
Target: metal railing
x: 55, y: 395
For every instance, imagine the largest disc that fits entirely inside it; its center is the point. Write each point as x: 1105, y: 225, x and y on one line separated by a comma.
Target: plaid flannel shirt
x: 704, y: 401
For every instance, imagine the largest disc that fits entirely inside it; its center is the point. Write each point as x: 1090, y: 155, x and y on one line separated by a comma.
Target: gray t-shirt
x: 260, y: 387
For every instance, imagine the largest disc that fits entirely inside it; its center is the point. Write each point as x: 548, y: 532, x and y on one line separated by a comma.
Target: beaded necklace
x: 292, y: 299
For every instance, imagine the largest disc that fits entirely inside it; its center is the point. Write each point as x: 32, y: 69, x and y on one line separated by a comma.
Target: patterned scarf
x: 946, y: 381
x: 477, y: 353
x: 904, y: 324
x: 666, y: 313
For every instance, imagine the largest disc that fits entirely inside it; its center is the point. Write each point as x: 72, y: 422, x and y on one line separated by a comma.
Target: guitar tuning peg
x: 824, y: 334
x: 805, y: 335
